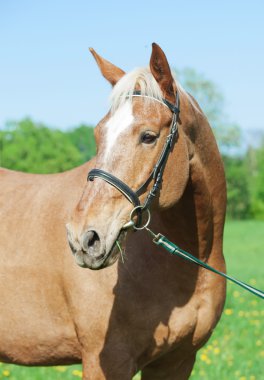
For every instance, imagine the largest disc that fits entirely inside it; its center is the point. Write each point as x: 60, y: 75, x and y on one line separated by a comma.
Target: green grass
x: 236, y: 349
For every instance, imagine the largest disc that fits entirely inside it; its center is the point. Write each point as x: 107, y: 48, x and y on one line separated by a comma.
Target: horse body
x: 151, y: 312
x: 34, y: 316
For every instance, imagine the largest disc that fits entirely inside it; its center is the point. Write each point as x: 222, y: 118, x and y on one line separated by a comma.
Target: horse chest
x: 156, y: 334
x: 181, y: 323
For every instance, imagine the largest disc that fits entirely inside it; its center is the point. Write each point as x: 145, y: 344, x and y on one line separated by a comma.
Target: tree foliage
x: 82, y: 138
x: 238, y: 192
x: 255, y: 163
x: 35, y: 148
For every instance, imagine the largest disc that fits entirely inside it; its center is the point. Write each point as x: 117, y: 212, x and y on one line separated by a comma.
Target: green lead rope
x: 175, y: 250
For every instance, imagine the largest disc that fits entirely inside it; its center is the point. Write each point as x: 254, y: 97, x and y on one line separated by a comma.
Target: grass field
x: 236, y: 349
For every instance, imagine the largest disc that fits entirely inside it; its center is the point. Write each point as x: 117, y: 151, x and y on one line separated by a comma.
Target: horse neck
x: 189, y: 223
x: 196, y: 222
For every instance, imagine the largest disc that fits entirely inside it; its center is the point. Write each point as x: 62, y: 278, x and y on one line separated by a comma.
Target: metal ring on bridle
x: 134, y: 212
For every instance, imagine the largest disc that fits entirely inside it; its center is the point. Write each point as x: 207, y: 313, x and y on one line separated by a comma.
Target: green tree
x: 31, y: 147
x: 255, y: 162
x: 82, y: 138
x: 238, y: 192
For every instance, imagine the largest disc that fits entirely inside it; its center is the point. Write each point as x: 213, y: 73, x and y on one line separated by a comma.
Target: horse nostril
x: 91, y: 242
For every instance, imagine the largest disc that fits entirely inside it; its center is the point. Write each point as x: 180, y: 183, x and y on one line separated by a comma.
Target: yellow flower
x: 61, y: 369
x: 243, y: 378
x: 216, y: 350
x: 262, y: 354
x: 77, y: 373
x: 255, y: 322
x: 6, y: 373
x: 228, y: 311
x: 204, y: 357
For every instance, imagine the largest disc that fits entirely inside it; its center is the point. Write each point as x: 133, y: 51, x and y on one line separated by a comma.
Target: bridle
x: 156, y: 176
x: 157, y: 172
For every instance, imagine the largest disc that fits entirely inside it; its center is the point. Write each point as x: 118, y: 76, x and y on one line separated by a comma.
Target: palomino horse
x: 150, y: 311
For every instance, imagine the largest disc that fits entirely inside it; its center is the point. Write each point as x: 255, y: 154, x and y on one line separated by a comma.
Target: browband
x: 174, y: 108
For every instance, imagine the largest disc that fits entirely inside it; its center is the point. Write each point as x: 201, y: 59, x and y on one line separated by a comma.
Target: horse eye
x: 148, y: 138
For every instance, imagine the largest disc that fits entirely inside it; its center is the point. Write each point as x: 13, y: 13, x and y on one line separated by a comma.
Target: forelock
x: 140, y: 79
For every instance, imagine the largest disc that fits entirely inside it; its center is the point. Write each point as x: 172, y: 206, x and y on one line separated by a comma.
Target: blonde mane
x: 139, y: 78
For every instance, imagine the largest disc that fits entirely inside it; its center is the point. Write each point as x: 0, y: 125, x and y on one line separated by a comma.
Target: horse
x: 137, y: 308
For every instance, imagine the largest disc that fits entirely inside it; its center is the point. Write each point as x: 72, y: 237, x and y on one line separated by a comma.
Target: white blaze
x: 118, y: 123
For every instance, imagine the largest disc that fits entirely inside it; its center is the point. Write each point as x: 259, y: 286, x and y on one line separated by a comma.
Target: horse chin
x: 85, y: 261
x: 106, y: 259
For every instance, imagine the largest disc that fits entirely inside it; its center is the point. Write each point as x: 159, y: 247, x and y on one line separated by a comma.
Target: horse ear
x: 111, y: 72
x: 160, y: 69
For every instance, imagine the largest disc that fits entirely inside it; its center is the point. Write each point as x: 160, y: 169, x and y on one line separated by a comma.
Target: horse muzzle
x: 93, y: 251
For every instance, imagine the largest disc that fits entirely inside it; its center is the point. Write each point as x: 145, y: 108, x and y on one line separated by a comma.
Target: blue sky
x: 47, y: 72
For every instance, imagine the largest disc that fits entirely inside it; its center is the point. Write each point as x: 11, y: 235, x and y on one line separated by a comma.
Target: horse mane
x: 141, y: 78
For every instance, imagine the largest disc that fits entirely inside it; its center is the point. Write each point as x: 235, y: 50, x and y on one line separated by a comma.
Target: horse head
x: 130, y: 140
